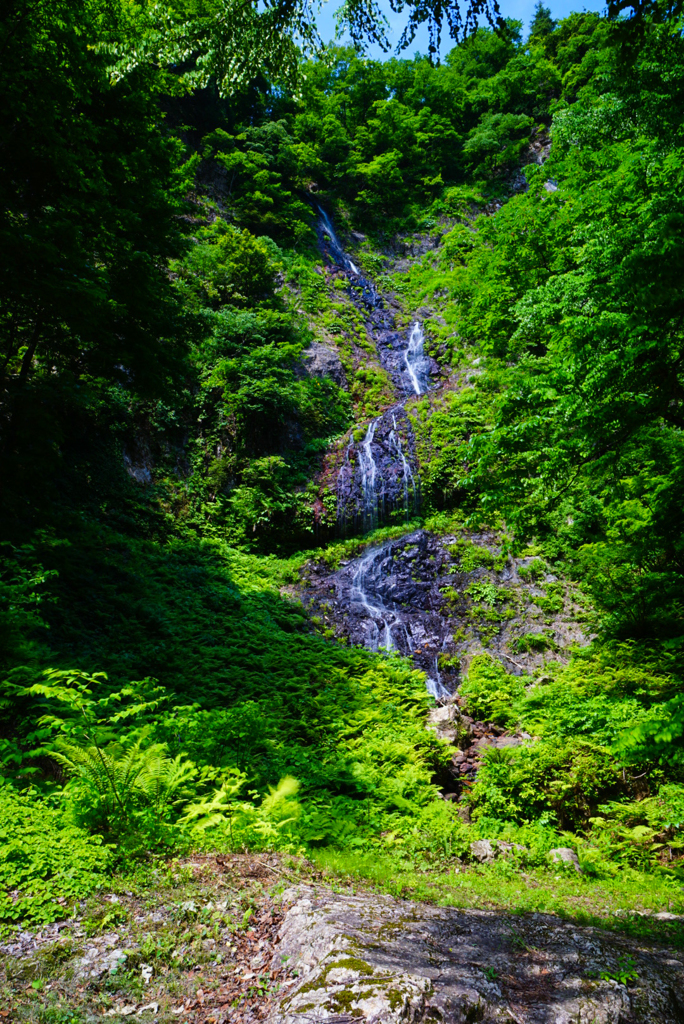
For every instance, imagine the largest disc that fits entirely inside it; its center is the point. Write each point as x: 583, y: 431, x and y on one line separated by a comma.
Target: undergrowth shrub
x: 642, y: 831
x: 553, y: 783
x: 490, y: 691
x: 225, y: 821
x: 46, y: 862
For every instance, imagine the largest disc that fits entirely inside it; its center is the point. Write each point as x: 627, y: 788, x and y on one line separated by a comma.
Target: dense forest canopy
x: 164, y: 448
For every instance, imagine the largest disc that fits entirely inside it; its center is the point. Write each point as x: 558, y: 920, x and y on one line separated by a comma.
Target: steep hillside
x: 342, y: 473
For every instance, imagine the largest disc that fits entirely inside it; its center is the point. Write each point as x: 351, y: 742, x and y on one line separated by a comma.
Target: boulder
x: 564, y: 855
x: 482, y: 850
x: 507, y: 848
x: 322, y: 361
x: 443, y: 721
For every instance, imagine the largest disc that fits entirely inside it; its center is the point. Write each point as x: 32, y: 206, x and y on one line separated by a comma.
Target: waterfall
x: 369, y: 293
x: 369, y: 473
x: 335, y: 242
x: 385, y: 473
x: 344, y: 479
x: 415, y: 360
x: 378, y: 477
x: 434, y: 684
x: 395, y: 443
x: 386, y: 625
x: 380, y: 617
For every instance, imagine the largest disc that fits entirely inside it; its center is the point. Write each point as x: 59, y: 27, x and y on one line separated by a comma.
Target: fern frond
x: 211, y: 811
x: 274, y: 804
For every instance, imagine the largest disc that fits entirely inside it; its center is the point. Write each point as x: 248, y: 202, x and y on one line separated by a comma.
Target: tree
x: 88, y: 192
x: 542, y: 23
x: 229, y: 42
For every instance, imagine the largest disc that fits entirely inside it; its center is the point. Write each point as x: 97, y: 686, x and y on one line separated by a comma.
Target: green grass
x: 617, y: 903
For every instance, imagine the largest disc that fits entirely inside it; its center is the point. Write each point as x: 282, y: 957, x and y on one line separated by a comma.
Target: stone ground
x: 387, y: 960
x: 242, y: 939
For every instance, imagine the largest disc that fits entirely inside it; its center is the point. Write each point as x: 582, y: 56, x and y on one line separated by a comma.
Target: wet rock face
x: 440, y: 601
x: 385, y: 960
x: 389, y: 598
x: 378, y: 479
x: 422, y: 596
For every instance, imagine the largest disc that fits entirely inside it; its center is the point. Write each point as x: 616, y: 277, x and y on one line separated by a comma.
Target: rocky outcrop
x: 443, y: 599
x: 322, y: 361
x: 384, y: 960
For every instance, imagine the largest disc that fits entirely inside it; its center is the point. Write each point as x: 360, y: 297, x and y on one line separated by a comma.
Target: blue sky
x: 520, y: 9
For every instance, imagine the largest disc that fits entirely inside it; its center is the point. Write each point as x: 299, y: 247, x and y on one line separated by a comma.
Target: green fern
x: 266, y: 825
x: 218, y: 807
x: 120, y: 786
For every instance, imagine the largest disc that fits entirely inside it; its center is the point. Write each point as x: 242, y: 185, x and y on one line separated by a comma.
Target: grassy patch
x: 627, y: 903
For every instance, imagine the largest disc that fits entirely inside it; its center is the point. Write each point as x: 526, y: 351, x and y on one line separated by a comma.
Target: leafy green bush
x: 532, y: 642
x: 640, y: 832
x: 469, y: 556
x: 490, y: 691
x: 45, y: 861
x: 534, y: 571
x: 548, y: 782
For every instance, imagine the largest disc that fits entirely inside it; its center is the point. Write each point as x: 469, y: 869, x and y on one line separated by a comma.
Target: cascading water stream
x: 385, y: 621
x: 370, y: 296
x: 415, y: 360
x: 395, y: 443
x: 344, y: 477
x: 380, y: 618
x: 335, y: 246
x: 369, y: 476
x: 376, y: 477
x: 384, y: 479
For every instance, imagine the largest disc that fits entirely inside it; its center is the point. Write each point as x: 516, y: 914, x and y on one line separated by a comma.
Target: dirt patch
x: 194, y: 945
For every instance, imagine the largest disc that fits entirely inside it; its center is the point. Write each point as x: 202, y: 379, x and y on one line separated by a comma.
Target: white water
x: 369, y: 473
x: 407, y: 475
x: 381, y: 621
x: 337, y: 248
x: 344, y: 471
x: 381, y: 618
x: 434, y: 686
x: 414, y: 357
x: 329, y: 229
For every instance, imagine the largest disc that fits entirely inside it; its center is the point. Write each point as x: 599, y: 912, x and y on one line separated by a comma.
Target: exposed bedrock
x: 420, y: 595
x: 386, y: 961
